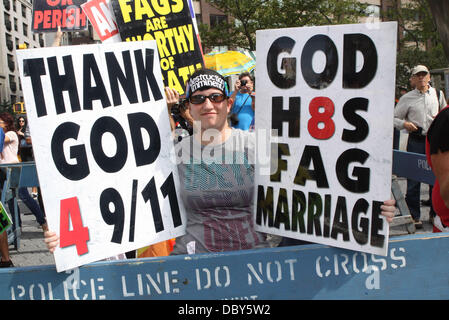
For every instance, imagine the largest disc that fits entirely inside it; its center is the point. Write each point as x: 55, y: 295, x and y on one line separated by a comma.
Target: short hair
x: 246, y: 74
x: 8, y: 120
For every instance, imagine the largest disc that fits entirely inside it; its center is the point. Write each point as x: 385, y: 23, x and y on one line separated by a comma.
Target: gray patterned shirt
x: 217, y: 188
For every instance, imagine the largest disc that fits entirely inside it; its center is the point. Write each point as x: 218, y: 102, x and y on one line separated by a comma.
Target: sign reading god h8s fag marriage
x: 101, y: 140
x: 327, y: 94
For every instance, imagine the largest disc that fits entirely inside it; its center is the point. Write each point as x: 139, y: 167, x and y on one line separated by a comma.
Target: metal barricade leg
x: 9, y: 193
x: 18, y: 230
x: 405, y: 217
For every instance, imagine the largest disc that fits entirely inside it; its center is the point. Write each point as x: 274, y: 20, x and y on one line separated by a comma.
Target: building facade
x: 15, y: 27
x: 15, y: 22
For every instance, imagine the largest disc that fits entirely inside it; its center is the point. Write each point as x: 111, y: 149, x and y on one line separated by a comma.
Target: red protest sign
x: 102, y: 18
x: 49, y: 14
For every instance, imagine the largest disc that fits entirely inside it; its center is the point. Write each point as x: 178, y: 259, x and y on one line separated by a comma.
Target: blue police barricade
x: 299, y: 272
x: 16, y: 175
x: 413, y: 166
x: 10, y: 182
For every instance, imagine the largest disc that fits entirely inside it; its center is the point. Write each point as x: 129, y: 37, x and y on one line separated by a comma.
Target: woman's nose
x: 208, y: 104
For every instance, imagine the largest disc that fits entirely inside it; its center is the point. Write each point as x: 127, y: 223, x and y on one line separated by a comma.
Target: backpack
x: 438, y: 97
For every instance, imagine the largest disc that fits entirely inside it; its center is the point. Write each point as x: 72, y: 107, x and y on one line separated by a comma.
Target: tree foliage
x: 415, y: 19
x: 420, y: 43
x: 252, y: 15
x: 440, y: 12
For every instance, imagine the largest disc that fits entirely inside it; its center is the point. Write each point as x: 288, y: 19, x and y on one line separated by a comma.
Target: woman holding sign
x: 217, y: 188
x: 9, y: 155
x: 216, y: 168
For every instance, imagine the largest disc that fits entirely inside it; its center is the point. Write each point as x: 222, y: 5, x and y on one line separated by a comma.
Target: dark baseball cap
x: 203, y: 79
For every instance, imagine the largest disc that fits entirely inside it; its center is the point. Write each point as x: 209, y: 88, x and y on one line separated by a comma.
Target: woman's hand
x: 237, y: 86
x: 172, y: 97
x: 388, y: 209
x: 58, y: 37
x: 51, y: 239
x: 250, y: 87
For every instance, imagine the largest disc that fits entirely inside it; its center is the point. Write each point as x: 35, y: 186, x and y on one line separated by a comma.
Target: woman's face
x: 2, y: 124
x: 21, y: 122
x: 248, y: 87
x: 211, y: 115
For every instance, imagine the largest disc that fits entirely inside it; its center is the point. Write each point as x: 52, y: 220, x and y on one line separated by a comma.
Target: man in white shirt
x: 415, y: 112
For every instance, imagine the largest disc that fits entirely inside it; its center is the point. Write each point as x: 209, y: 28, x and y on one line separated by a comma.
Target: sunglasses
x: 214, y: 97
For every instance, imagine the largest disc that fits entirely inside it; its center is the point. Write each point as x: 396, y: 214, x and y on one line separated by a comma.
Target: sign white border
x: 56, y: 186
x: 378, y: 142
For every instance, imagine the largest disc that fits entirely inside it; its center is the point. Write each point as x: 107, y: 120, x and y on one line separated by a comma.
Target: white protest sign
x: 102, y: 18
x: 103, y: 148
x: 329, y: 93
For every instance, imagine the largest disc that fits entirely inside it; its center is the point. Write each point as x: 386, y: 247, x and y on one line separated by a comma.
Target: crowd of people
x: 209, y: 104
x: 17, y: 147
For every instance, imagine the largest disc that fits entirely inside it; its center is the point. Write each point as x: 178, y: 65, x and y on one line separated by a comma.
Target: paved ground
x: 32, y: 250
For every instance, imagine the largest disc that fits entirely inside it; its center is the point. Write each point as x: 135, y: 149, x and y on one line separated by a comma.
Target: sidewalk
x: 32, y: 249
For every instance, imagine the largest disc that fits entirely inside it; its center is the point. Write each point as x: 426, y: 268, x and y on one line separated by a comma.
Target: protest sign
x: 102, y: 144
x: 101, y: 16
x: 195, y: 24
x: 170, y: 24
x: 49, y: 14
x: 5, y: 219
x: 329, y: 93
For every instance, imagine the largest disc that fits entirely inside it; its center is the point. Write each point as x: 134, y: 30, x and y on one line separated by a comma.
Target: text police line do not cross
x: 119, y: 77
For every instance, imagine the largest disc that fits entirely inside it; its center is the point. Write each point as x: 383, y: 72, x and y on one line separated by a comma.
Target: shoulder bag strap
x: 242, y: 105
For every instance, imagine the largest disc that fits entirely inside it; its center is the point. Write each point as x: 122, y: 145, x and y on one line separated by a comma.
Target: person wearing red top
x: 437, y: 153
